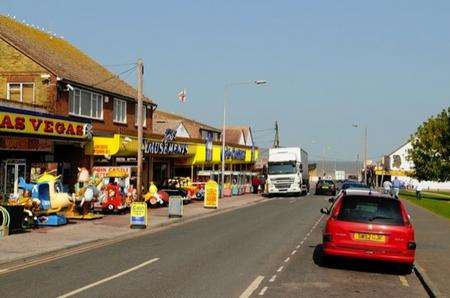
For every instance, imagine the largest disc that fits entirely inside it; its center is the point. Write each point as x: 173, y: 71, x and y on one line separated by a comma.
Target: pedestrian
x: 419, y: 191
x: 387, y: 185
x: 396, y: 187
x: 255, y: 184
x: 262, y: 182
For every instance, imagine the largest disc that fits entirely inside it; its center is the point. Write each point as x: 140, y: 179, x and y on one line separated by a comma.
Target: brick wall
x: 16, y: 67
x: 107, y: 125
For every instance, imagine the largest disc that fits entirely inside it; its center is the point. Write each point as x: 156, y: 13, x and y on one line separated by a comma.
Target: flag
x: 182, y: 95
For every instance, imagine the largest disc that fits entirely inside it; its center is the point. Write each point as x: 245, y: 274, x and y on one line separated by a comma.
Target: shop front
x: 31, y: 143
x: 167, y: 158
x: 160, y: 155
x: 205, y: 163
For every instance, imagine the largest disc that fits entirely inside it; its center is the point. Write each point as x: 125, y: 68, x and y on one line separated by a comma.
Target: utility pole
x: 140, y: 80
x: 357, y: 166
x: 276, y: 141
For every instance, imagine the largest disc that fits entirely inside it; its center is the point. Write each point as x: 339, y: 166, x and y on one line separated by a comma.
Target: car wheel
x: 110, y: 207
x: 324, y: 260
x: 406, y: 269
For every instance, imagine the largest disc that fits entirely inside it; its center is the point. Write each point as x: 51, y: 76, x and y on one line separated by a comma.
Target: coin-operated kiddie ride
x: 87, y: 191
x: 114, y: 199
x: 52, y: 202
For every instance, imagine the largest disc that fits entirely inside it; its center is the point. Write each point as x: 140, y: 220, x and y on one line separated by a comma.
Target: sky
x: 328, y: 64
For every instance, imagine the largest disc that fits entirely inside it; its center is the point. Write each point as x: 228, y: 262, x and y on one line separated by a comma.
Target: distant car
x: 325, y: 187
x: 177, y: 192
x: 339, y: 184
x: 354, y: 185
x: 352, y: 177
x: 369, y: 225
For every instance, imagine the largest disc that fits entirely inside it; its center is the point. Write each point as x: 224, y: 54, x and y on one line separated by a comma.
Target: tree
x: 431, y: 148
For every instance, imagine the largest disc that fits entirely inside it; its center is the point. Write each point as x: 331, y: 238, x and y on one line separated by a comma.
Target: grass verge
x: 430, y: 201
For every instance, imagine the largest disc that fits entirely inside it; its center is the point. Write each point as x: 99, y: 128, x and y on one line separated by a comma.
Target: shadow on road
x: 340, y: 263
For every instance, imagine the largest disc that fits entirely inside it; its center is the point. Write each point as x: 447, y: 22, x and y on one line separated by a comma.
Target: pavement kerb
x: 426, y: 282
x: 23, y: 262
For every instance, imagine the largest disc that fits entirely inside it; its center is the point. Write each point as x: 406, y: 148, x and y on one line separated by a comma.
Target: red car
x: 369, y: 225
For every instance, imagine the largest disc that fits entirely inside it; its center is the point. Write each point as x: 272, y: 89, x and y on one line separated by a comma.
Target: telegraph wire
x: 116, y: 76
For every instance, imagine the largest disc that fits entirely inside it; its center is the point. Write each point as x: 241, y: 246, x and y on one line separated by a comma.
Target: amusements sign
x: 211, y: 194
x: 166, y: 147
x: 138, y: 215
x: 234, y: 153
x: 46, y: 126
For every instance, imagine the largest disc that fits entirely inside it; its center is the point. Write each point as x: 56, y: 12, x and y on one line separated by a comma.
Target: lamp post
x: 364, y: 150
x: 225, y: 95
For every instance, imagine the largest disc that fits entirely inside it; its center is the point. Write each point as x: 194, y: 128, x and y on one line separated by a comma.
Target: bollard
x: 175, y: 206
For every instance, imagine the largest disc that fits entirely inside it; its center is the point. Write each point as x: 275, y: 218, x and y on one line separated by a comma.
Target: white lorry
x: 288, y: 171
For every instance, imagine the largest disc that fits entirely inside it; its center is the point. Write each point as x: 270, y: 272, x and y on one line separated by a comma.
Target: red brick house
x: 45, y: 78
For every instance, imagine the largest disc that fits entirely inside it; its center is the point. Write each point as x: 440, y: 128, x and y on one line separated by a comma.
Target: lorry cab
x: 288, y: 171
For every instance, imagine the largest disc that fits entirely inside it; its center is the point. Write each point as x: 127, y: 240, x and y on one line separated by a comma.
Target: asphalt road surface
x: 268, y: 249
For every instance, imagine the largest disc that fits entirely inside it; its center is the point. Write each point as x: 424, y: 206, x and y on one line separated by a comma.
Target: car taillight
x: 412, y: 245
x: 326, y: 238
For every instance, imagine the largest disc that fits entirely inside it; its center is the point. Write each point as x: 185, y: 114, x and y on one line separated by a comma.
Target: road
x: 268, y: 249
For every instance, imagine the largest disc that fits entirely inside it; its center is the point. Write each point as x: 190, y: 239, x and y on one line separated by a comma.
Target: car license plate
x: 369, y: 237
x: 325, y: 187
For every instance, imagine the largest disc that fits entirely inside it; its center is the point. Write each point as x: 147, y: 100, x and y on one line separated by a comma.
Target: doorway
x: 12, y: 169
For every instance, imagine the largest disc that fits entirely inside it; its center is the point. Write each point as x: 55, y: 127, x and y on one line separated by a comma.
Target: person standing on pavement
x: 387, y: 187
x: 396, y: 187
x: 255, y: 184
x: 419, y: 191
x: 262, y: 183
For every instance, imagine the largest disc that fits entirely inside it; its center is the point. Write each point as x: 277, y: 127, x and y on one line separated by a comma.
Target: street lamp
x: 364, y: 150
x: 225, y: 95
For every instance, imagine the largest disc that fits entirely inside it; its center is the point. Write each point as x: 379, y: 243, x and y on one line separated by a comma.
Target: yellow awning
x: 125, y: 146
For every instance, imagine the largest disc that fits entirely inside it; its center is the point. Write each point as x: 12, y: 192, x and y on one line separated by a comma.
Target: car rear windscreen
x: 368, y: 209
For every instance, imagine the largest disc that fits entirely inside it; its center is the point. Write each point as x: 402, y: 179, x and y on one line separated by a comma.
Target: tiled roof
x: 160, y: 126
x: 233, y: 134
x: 61, y: 58
x: 193, y: 127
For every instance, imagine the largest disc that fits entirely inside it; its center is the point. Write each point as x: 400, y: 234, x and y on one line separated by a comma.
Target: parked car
x: 325, y: 187
x: 354, y: 185
x: 177, y: 192
x: 369, y: 225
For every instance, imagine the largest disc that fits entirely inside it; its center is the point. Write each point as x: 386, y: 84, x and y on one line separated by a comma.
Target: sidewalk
x: 433, y: 245
x: 48, y: 239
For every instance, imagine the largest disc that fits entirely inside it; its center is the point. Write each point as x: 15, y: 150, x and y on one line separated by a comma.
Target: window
x: 120, y: 110
x: 210, y: 135
x: 23, y: 92
x: 288, y: 167
x: 367, y: 209
x: 86, y: 104
x: 144, y: 115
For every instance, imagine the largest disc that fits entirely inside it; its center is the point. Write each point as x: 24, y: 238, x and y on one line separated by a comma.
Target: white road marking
x: 287, y: 259
x: 303, y: 241
x: 298, y: 246
x: 279, y: 269
x: 293, y: 252
x: 308, y: 234
x: 291, y: 202
x: 108, y: 278
x: 305, y: 238
x: 252, y: 287
x: 262, y: 291
x: 272, y: 279
x: 404, y: 281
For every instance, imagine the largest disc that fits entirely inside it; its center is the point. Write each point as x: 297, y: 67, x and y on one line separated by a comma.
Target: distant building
x: 398, y: 164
